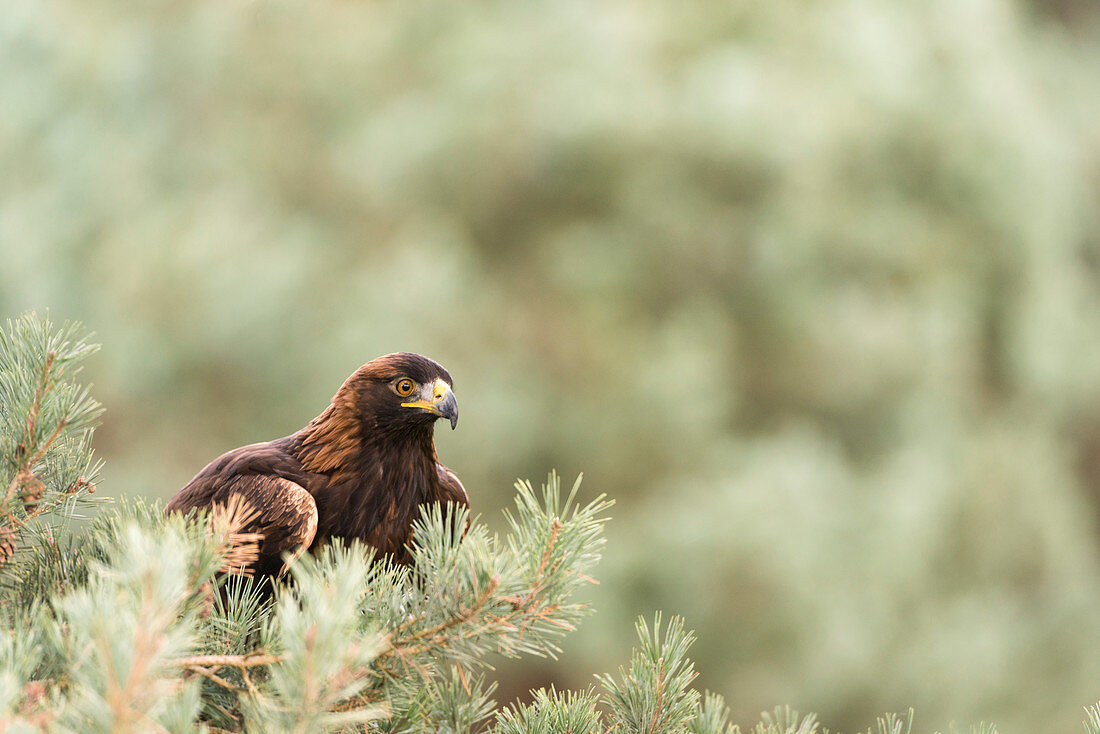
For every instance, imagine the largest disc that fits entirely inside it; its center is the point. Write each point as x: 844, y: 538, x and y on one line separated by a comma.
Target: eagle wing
x: 453, y: 491
x: 287, y: 519
x: 283, y: 511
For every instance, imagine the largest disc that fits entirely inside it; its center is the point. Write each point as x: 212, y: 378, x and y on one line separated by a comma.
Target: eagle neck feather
x: 329, y: 439
x: 375, y: 479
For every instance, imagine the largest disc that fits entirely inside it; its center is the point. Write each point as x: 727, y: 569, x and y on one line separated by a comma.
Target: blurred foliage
x: 813, y: 289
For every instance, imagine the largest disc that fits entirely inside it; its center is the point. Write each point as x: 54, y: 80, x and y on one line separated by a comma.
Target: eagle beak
x: 442, y: 402
x: 445, y: 403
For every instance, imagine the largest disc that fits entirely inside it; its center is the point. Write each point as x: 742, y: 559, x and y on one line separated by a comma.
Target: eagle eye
x: 404, y: 387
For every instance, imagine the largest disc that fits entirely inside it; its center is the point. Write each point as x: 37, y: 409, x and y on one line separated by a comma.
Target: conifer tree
x: 139, y: 623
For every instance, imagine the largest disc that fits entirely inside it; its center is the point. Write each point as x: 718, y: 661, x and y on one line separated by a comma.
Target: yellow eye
x: 405, y: 387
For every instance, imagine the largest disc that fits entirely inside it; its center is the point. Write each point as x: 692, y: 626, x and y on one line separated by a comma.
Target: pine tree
x: 139, y: 624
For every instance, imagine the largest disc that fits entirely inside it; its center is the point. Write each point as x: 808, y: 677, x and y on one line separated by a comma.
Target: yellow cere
x: 439, y: 391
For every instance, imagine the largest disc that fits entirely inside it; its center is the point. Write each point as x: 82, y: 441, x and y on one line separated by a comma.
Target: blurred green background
x: 812, y: 289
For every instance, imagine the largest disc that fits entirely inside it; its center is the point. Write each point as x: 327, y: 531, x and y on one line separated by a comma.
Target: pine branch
x: 653, y: 695
x: 120, y: 632
x: 44, y: 448
x: 1092, y: 720
x: 324, y: 661
x: 552, y: 712
x: 712, y: 717
x: 895, y: 724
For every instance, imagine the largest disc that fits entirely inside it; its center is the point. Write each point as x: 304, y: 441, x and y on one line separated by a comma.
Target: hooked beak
x: 440, y: 402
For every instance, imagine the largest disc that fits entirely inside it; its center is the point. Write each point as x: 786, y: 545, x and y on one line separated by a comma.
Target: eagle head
x: 401, y: 390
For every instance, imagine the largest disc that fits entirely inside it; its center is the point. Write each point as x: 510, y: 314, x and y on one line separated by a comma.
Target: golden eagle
x: 359, y: 471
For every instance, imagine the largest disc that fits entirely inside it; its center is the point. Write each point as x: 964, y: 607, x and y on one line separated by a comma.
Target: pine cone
x: 8, y: 538
x: 31, y: 491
